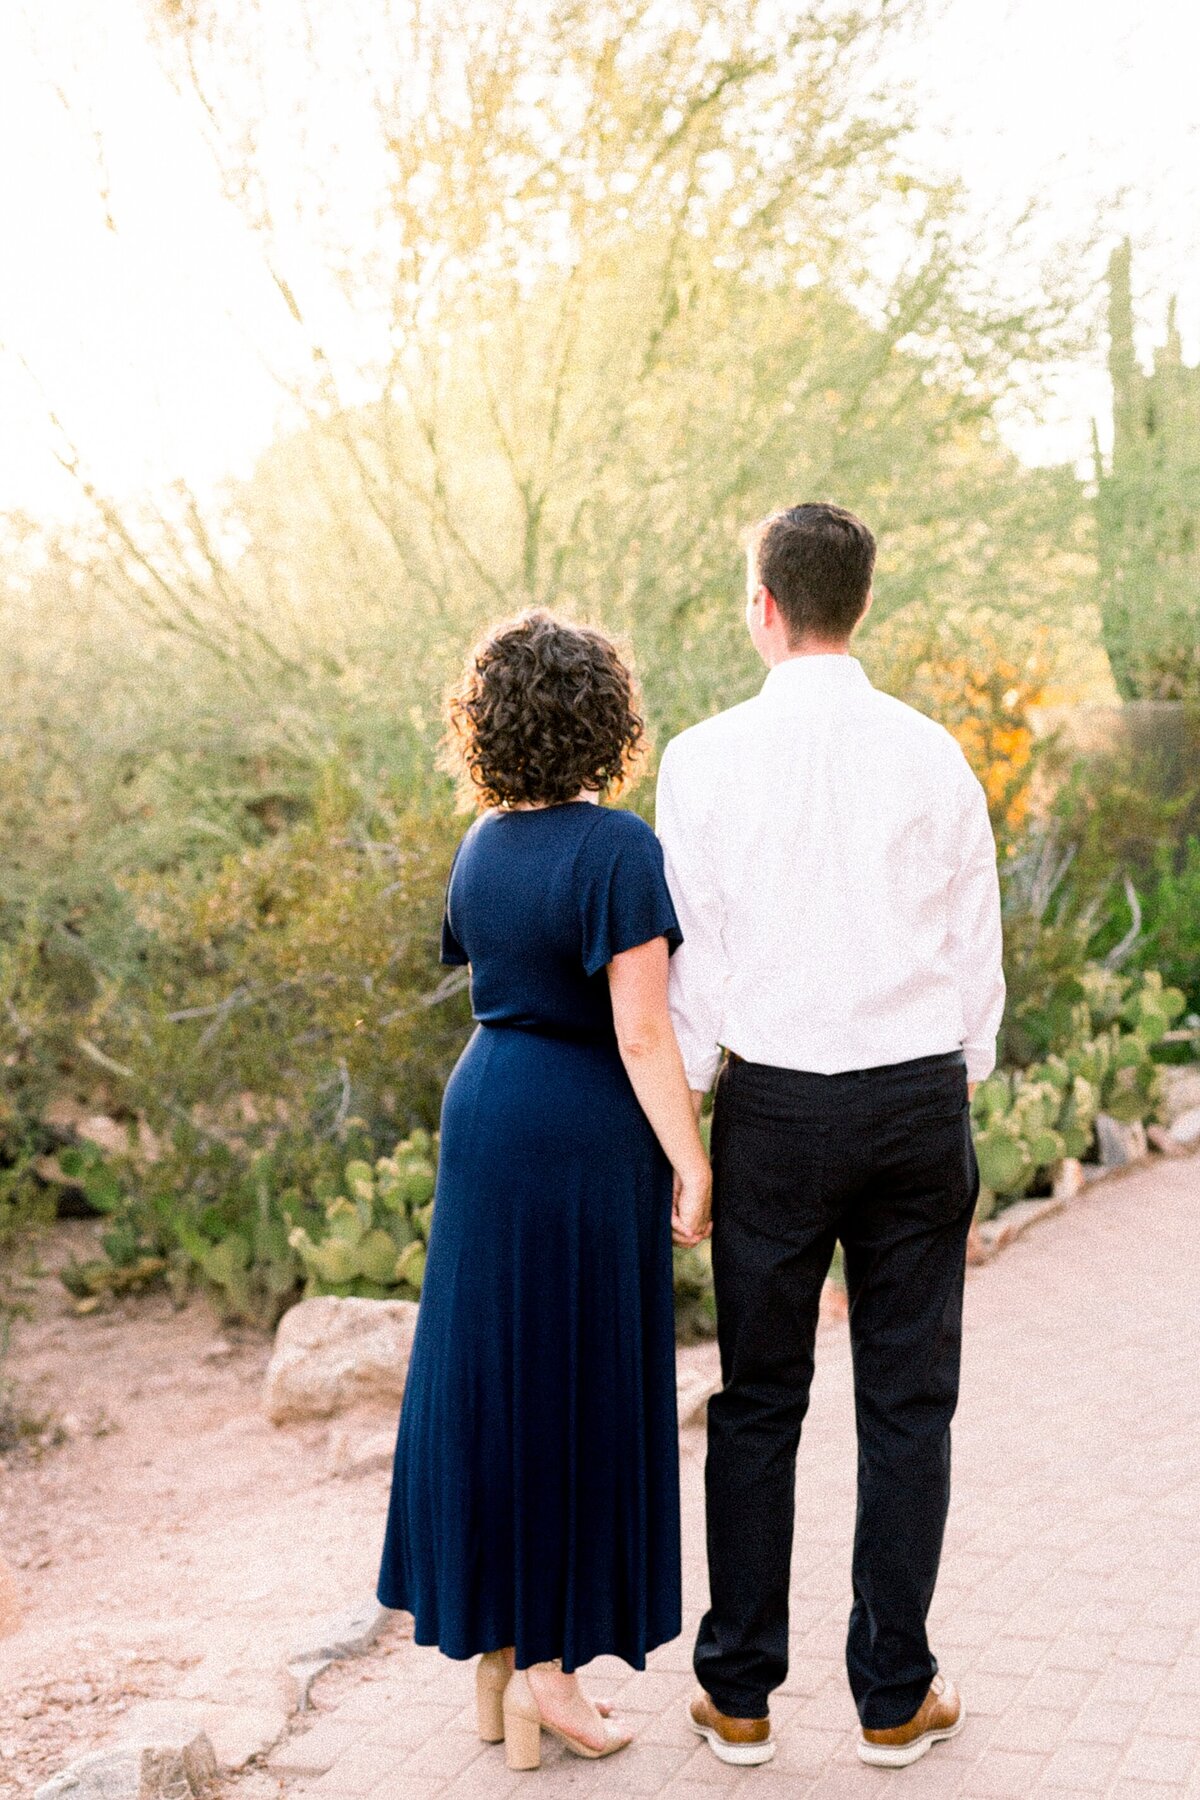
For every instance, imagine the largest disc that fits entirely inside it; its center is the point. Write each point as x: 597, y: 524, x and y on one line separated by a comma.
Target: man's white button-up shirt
x: 831, y: 860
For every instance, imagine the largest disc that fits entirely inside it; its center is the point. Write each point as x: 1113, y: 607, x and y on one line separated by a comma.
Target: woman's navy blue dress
x: 535, y: 1493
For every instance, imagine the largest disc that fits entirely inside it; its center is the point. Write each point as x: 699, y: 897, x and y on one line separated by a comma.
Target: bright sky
x: 155, y: 343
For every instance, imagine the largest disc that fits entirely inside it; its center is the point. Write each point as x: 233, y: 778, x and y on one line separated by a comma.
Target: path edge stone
x: 331, y: 1640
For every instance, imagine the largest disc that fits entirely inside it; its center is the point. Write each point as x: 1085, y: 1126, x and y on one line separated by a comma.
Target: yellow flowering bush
x: 984, y: 675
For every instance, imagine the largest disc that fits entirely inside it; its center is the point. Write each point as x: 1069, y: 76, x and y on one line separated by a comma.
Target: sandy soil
x: 174, y: 1543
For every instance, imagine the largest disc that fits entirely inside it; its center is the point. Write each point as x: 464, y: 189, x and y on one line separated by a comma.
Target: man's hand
x: 691, y: 1211
x: 971, y: 1086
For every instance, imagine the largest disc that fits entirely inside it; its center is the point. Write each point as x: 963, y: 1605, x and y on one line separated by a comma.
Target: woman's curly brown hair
x: 543, y: 710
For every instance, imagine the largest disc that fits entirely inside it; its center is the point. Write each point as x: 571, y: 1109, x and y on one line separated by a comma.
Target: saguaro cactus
x: 1148, y: 510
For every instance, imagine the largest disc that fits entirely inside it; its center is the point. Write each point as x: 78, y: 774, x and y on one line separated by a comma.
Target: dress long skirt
x: 535, y: 1496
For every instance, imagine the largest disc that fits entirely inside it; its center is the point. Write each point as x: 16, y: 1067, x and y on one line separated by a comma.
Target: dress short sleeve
x: 625, y: 899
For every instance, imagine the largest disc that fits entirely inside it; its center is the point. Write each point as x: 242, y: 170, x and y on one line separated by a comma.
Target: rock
x: 1164, y: 1141
x: 345, y: 1634
x: 1186, y: 1128
x: 1068, y: 1179
x: 1181, y: 1092
x: 10, y: 1601
x: 1015, y: 1219
x: 1119, y: 1144
x: 174, y: 1770
x: 354, y: 1453
x: 70, y: 1118
x: 977, y: 1251
x: 217, y: 1351
x: 332, y: 1354
x: 104, y: 1775
x: 299, y: 1677
x: 237, y: 1734
x: 107, y: 1134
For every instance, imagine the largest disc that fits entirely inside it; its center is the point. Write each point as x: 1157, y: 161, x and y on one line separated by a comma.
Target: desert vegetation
x: 577, y: 296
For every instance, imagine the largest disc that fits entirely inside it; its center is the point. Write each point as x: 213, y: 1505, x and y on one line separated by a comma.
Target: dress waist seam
x: 607, y: 1041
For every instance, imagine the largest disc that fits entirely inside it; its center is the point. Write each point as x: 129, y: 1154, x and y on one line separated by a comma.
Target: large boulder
x: 332, y: 1355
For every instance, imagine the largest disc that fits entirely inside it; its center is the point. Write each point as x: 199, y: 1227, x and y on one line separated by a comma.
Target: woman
x: 534, y: 1515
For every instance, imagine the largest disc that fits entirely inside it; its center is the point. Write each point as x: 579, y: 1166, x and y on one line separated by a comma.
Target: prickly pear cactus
x: 1027, y: 1120
x: 376, y: 1231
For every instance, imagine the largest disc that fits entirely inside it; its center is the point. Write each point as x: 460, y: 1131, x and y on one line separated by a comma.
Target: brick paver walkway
x: 1069, y: 1602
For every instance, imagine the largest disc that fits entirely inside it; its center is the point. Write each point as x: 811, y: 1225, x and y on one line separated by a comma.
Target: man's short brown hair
x: 817, y: 561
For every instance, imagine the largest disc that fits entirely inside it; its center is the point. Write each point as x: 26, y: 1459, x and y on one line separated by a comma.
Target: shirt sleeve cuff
x: 981, y: 1060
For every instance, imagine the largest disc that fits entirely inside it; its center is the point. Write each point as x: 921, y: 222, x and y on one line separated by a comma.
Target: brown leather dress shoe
x: 742, y: 1741
x: 940, y: 1715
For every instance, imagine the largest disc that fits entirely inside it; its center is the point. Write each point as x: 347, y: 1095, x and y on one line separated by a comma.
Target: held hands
x: 691, y: 1210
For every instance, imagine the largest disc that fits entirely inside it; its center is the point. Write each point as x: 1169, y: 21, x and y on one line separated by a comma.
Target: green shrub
x: 304, y: 973
x: 132, y: 1244
x: 1171, y: 920
x: 258, y: 1224
x: 211, y: 1215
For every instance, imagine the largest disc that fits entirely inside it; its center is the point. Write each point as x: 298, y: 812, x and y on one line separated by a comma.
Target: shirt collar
x: 811, y: 674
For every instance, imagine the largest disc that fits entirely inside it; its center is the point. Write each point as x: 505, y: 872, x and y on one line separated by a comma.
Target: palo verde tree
x: 585, y: 287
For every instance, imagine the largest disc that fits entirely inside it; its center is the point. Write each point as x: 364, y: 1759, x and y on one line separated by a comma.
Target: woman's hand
x: 637, y: 982
x: 691, y: 1211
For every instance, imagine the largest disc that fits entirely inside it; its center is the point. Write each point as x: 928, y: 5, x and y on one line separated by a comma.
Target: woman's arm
x: 638, y: 985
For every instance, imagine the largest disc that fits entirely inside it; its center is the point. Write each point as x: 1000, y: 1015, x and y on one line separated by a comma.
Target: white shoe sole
x: 743, y: 1755
x: 898, y: 1756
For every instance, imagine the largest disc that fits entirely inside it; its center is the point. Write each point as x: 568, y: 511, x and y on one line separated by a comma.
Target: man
x: 832, y: 863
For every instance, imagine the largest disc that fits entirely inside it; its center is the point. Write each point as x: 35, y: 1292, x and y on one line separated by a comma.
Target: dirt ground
x: 168, y: 1542
x: 166, y: 1539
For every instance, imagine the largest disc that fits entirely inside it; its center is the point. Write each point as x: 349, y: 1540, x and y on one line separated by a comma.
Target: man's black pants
x: 882, y: 1159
